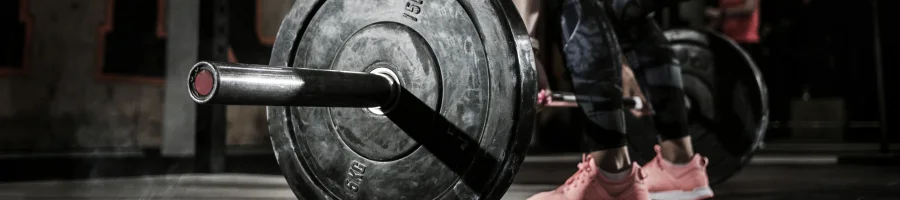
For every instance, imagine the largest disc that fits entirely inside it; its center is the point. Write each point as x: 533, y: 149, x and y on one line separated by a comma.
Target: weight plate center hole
x: 394, y: 98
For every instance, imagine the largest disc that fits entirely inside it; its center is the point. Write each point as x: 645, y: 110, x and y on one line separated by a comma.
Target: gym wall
x: 80, y: 75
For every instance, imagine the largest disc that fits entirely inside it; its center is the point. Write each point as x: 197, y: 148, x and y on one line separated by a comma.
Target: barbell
x: 247, y: 84
x: 394, y: 99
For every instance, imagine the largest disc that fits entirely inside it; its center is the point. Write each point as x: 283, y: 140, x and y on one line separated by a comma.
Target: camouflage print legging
x: 594, y: 36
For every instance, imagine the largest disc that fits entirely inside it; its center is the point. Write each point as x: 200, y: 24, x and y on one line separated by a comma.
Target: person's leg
x: 655, y: 61
x: 644, y: 41
x: 676, y: 172
x: 591, y: 52
x: 593, y: 59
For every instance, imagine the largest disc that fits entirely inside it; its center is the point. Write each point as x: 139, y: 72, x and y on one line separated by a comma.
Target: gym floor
x: 768, y: 177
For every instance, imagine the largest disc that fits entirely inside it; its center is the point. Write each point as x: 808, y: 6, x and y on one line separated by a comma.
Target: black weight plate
x: 465, y: 113
x: 728, y: 109
x: 742, y: 96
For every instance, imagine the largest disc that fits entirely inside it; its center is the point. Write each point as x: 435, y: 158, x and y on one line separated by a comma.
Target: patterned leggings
x: 596, y: 35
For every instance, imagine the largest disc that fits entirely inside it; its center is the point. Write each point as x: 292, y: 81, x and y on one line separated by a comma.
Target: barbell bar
x: 247, y: 84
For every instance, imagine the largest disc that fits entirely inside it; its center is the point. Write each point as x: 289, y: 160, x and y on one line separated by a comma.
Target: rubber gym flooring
x: 768, y: 177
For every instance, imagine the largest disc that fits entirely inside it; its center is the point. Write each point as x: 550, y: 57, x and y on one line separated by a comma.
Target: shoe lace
x: 658, y: 159
x: 583, y: 167
x: 643, y: 175
x: 585, y: 164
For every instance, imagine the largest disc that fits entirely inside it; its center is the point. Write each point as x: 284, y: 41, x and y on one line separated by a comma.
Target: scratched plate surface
x: 465, y: 112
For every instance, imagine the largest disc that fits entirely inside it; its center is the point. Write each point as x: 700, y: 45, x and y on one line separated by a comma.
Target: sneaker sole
x: 697, y: 193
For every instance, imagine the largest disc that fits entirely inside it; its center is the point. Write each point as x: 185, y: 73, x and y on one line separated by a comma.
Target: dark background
x: 91, y: 103
x: 824, y: 50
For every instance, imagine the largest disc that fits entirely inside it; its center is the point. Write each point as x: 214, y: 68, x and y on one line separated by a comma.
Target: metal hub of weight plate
x: 728, y: 112
x: 461, y: 120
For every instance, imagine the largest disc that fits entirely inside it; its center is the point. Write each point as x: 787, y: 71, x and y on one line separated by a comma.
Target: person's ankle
x: 678, y: 163
x: 616, y: 176
x: 612, y: 160
x: 677, y: 151
x: 613, y: 168
x: 677, y: 159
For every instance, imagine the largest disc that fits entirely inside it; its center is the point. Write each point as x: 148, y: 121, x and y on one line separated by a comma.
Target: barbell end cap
x: 203, y: 82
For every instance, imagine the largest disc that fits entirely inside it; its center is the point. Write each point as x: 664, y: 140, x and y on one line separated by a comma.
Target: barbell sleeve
x: 247, y: 84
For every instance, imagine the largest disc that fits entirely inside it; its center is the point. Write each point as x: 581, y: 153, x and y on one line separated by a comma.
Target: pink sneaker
x: 589, y: 184
x: 667, y: 181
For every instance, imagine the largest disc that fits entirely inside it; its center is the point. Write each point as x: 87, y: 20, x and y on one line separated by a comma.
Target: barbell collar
x: 248, y: 84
